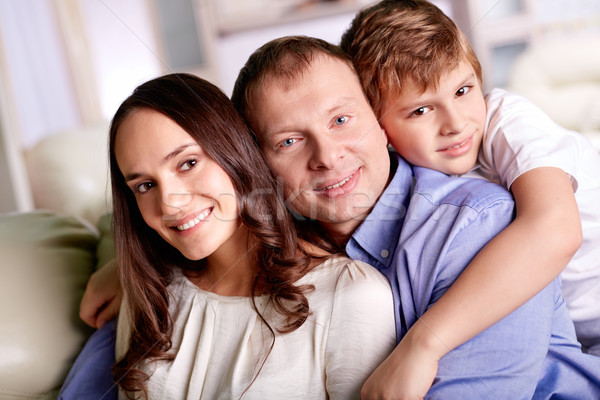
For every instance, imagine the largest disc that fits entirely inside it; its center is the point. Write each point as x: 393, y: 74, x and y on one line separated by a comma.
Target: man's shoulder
x: 441, y: 189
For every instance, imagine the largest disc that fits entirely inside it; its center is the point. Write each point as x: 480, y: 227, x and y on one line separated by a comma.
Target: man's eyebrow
x: 170, y: 156
x: 341, y: 103
x: 286, y: 128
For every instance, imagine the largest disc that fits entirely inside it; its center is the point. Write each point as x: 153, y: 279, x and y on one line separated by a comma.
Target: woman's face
x: 182, y: 193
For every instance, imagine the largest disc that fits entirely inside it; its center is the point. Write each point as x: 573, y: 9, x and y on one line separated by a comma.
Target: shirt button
x: 385, y: 253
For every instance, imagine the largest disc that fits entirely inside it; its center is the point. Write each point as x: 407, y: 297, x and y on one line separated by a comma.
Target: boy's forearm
x: 512, y: 268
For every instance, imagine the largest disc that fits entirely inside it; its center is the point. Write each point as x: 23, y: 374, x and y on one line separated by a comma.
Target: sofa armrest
x: 46, y: 261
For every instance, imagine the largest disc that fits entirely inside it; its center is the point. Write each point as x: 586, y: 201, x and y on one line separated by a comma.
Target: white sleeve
x: 520, y: 137
x: 123, y: 331
x: 362, y: 330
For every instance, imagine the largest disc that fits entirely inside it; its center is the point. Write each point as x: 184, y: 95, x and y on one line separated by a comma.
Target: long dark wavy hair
x: 146, y: 261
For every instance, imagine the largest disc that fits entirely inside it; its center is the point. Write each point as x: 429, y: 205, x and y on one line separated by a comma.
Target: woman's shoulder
x: 339, y: 271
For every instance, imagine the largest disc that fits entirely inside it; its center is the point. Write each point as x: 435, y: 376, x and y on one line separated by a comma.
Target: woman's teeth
x: 193, y: 222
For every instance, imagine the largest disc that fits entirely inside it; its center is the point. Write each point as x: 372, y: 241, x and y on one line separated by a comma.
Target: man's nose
x: 326, y: 151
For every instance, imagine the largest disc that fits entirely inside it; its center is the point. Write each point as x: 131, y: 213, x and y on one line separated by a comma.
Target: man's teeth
x: 337, y: 185
x: 193, y: 222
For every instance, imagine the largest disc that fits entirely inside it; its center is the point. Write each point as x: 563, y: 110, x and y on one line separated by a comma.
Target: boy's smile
x: 440, y: 128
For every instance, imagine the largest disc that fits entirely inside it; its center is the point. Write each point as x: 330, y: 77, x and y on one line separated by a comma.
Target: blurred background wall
x: 65, y: 65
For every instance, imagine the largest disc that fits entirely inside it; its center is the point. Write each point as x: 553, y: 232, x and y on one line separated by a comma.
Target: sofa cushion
x: 68, y: 172
x: 46, y: 260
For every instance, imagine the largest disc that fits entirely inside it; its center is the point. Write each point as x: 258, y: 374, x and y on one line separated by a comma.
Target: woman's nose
x: 175, y: 201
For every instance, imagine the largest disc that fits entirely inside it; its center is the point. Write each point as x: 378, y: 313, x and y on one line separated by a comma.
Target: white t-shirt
x: 220, y: 341
x: 520, y: 137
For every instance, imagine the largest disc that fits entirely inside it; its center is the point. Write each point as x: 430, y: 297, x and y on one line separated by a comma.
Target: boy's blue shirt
x: 421, y: 234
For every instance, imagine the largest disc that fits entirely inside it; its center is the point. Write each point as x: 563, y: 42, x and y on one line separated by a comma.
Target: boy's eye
x: 462, y: 91
x: 341, y: 120
x: 420, y: 111
x: 188, y: 165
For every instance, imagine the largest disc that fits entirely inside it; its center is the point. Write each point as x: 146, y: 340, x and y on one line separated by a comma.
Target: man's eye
x: 341, y: 120
x: 288, y: 142
x: 188, y: 165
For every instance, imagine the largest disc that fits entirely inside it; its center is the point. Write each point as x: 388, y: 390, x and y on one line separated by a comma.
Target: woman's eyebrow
x: 170, y: 156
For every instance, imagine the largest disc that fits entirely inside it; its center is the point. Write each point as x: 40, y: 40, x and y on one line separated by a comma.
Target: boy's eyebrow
x: 468, y: 78
x: 415, y: 104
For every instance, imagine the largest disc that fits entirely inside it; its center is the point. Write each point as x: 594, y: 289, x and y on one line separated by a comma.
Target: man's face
x: 321, y: 138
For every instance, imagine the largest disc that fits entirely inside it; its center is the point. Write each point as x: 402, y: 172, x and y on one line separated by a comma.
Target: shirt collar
x: 379, y: 233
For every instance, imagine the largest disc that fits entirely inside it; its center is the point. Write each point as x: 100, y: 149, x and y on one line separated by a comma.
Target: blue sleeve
x: 508, y: 357
x: 91, y: 377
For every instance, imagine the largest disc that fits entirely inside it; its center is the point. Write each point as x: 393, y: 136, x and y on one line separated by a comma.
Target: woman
x: 222, y: 300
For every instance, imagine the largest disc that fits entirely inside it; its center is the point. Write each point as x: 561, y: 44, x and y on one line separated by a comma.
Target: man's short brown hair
x: 396, y: 42
x: 281, y: 60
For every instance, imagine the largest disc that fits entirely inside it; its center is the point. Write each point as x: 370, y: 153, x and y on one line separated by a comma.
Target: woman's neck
x: 232, y: 268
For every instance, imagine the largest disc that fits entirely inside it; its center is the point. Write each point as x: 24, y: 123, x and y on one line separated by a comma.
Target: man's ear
x: 387, y: 140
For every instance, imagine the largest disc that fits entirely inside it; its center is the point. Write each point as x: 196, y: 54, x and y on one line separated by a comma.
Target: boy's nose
x: 453, y: 123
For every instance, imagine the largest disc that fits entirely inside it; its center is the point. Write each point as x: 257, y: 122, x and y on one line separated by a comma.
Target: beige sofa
x: 562, y: 77
x: 46, y: 259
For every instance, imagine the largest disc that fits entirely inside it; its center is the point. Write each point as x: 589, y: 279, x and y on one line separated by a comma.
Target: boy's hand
x: 407, y: 373
x: 102, y: 298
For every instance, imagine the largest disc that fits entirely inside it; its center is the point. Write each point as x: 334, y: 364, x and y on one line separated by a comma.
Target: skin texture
x: 318, y: 131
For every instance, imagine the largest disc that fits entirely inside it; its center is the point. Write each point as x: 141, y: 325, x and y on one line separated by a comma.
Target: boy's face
x: 441, y: 128
x: 321, y: 137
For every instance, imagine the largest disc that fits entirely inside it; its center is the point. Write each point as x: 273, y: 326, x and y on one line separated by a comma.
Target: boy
x: 424, y: 83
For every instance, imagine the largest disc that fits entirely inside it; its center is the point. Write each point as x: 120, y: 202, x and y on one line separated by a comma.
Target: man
x: 302, y: 98
x: 321, y: 139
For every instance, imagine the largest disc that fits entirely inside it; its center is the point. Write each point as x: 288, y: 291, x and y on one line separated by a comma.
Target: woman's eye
x: 143, y: 187
x: 188, y: 165
x: 288, y: 142
x: 341, y: 120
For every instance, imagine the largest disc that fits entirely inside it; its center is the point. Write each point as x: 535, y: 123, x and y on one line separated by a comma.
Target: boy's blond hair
x: 394, y: 43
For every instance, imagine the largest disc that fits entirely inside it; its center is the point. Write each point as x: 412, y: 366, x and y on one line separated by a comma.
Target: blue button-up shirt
x: 422, y: 233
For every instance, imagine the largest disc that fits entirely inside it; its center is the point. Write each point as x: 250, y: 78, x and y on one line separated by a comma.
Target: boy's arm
x: 512, y: 268
x: 102, y: 297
